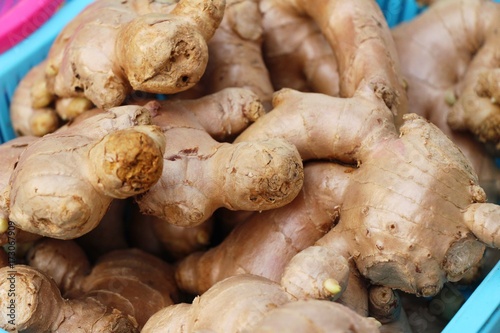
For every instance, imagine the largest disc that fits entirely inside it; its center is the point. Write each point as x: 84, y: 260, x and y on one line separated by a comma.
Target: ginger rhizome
x: 263, y: 243
x: 359, y: 38
x: 114, y: 47
x: 39, y: 307
x: 412, y: 215
x: 64, y: 182
x: 296, y: 52
x: 10, y: 152
x: 250, y: 303
x: 131, y: 281
x: 450, y: 60
x: 201, y: 174
x: 31, y: 107
x: 235, y: 54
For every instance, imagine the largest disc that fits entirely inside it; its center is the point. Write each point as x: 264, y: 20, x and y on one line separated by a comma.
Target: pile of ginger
x: 251, y: 166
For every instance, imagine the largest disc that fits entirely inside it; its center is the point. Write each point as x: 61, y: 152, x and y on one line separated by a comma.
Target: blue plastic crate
x: 481, y: 311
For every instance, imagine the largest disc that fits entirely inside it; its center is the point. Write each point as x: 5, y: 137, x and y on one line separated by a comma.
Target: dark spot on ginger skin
x: 190, y: 151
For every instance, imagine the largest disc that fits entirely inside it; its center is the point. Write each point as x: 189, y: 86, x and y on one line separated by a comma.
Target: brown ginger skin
x: 114, y: 47
x: 235, y: 53
x: 76, y: 172
x: 31, y: 110
x: 249, y: 303
x: 296, y: 52
x: 361, y: 42
x: 315, y: 316
x: 265, y: 242
x: 388, y: 216
x: 201, y: 174
x: 10, y: 152
x: 39, y: 307
x: 453, y: 77
x: 119, y: 279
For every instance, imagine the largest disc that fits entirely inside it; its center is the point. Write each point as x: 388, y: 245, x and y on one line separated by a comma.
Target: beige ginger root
x: 39, y: 307
x: 264, y: 243
x: 296, y: 52
x: 235, y: 54
x: 361, y: 42
x: 201, y: 174
x: 409, y: 188
x: 10, y: 152
x: 31, y: 110
x: 114, y: 47
x: 315, y: 316
x: 250, y: 303
x: 129, y: 280
x: 450, y: 59
x: 64, y: 182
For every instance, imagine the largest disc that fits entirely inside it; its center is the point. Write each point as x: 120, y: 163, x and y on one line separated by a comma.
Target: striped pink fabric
x: 20, y: 18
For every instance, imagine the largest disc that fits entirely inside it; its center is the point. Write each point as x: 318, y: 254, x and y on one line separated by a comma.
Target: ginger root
x: 64, y: 182
x: 114, y: 47
x: 117, y: 280
x: 201, y: 174
x: 450, y: 59
x: 388, y: 215
x: 255, y: 304
x: 265, y: 242
x: 235, y: 54
x: 31, y: 110
x: 39, y: 307
x: 360, y: 39
x: 296, y: 52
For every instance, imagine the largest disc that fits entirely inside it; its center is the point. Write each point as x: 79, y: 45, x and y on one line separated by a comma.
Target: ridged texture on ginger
x: 118, y: 280
x: 265, y: 242
x: 406, y: 216
x: 449, y: 57
x: 362, y: 44
x: 444, y: 72
x: 31, y: 109
x: 241, y: 300
x: 10, y: 152
x: 296, y: 52
x: 235, y: 53
x: 39, y: 307
x: 249, y: 303
x: 201, y: 174
x: 64, y: 182
x: 114, y: 47
x: 314, y: 316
